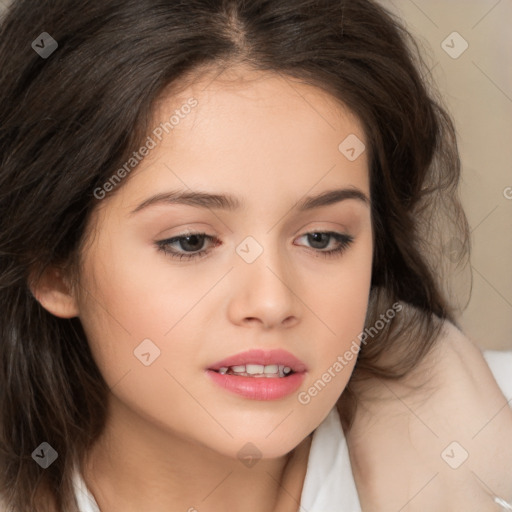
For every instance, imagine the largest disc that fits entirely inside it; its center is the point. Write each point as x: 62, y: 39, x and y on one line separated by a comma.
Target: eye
x: 322, y: 239
x: 192, y: 244
x: 192, y: 241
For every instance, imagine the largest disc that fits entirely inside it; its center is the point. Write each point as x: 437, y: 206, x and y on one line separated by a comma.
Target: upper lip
x: 262, y: 357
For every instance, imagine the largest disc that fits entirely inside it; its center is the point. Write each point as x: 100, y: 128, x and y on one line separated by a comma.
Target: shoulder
x: 441, y: 439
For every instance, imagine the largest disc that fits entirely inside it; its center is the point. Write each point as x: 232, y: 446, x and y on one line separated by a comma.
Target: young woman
x: 222, y: 277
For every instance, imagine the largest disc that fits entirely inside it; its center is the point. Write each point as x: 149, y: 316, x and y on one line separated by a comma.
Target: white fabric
x: 500, y: 363
x: 329, y: 483
x: 86, y: 502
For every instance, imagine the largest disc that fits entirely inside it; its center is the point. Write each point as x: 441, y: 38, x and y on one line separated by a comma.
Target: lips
x: 262, y: 357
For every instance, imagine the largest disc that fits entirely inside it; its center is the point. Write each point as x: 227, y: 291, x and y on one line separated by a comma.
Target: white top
x: 329, y: 483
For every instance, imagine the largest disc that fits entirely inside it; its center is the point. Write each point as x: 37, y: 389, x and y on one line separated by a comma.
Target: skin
x: 173, y: 436
x: 400, y: 433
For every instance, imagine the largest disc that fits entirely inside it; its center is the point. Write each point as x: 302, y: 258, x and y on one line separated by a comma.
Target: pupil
x: 316, y: 237
x: 195, y: 238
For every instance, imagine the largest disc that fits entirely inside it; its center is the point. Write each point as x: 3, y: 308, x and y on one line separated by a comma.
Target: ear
x: 54, y: 292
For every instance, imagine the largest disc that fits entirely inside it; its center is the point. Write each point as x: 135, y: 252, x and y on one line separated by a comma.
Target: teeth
x: 256, y: 370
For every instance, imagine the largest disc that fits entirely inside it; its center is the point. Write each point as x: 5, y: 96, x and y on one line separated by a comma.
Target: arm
x: 401, y: 444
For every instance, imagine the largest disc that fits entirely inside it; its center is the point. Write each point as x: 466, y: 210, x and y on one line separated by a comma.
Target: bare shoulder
x: 440, y: 439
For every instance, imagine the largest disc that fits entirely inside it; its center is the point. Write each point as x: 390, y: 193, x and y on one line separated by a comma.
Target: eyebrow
x: 232, y: 203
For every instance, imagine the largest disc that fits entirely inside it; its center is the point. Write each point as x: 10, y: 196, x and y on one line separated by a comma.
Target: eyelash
x: 344, y: 243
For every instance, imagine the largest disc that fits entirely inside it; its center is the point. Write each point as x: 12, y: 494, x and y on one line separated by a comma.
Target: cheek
x: 133, y: 291
x: 134, y: 300
x: 339, y: 300
x: 340, y: 295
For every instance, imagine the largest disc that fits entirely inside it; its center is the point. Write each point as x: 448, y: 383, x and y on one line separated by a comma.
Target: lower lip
x: 259, y: 388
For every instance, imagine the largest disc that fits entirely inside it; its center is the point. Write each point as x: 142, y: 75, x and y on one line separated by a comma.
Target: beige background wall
x: 477, y: 86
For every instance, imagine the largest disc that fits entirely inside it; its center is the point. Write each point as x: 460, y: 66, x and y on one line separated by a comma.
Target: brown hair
x: 68, y: 120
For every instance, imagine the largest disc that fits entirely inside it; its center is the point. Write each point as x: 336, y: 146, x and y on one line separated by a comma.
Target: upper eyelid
x: 214, y: 237
x: 343, y: 229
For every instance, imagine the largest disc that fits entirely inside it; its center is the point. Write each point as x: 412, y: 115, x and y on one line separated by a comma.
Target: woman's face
x: 156, y: 323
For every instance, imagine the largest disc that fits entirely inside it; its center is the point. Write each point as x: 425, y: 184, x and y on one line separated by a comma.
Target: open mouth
x: 261, y: 379
x: 256, y: 370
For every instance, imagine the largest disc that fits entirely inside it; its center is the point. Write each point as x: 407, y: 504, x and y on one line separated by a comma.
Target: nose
x: 264, y: 292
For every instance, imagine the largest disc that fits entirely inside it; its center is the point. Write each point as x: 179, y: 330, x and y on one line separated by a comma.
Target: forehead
x: 256, y: 99
x: 252, y: 133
